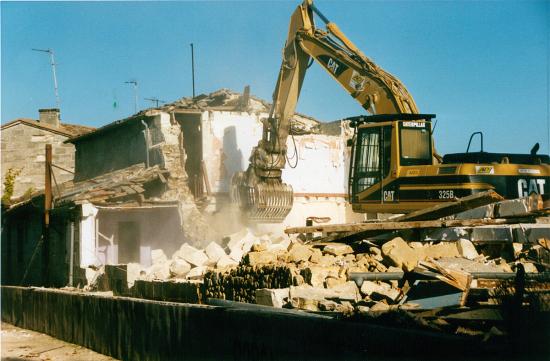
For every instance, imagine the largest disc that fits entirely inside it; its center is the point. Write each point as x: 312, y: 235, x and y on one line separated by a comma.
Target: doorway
x: 128, y: 242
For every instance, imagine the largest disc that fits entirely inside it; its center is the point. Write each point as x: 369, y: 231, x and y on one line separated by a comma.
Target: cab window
x: 416, y: 147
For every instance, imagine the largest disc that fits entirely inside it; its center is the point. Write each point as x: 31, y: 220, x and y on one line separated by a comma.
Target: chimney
x: 49, y: 116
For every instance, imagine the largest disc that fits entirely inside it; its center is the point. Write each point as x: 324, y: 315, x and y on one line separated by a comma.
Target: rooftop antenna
x: 52, y: 62
x: 156, y: 101
x: 193, y: 67
x: 135, y: 84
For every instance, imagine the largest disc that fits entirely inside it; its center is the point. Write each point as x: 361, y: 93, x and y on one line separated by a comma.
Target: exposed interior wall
x: 124, y: 235
x: 228, y: 139
x: 23, y: 148
x: 319, y: 179
x: 111, y: 150
x: 190, y: 124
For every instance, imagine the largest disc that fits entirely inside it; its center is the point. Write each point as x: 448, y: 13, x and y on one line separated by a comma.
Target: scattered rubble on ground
x: 425, y: 284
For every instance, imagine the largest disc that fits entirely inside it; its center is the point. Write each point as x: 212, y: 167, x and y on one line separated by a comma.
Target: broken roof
x: 124, y: 187
x: 69, y: 130
x: 220, y: 100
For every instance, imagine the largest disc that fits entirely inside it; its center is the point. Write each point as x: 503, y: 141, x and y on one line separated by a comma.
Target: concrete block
x: 327, y: 305
x: 376, y: 253
x: 316, y: 275
x: 274, y: 297
x: 160, y: 271
x: 197, y: 258
x: 517, y: 207
x: 379, y: 291
x: 225, y: 262
x: 304, y: 303
x: 230, y: 241
x: 158, y: 256
x: 443, y: 249
x: 133, y: 273
x: 259, y: 247
x: 315, y: 255
x: 299, y: 253
x: 530, y: 267
x: 487, y: 211
x: 236, y: 254
x: 185, y: 249
x: 379, y: 307
x: 466, y: 249
x: 347, y: 291
x: 197, y: 272
x: 399, y: 254
x: 492, y: 233
x: 337, y: 249
x: 327, y: 260
x: 331, y: 282
x: 214, y: 252
x: 258, y: 258
x: 179, y: 268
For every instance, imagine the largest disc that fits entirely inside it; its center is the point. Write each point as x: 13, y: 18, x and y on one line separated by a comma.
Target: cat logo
x: 533, y: 186
x: 332, y: 65
x: 484, y: 169
x: 357, y: 82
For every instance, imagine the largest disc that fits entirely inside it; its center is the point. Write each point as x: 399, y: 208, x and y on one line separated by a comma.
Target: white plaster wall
x: 321, y: 165
x: 228, y: 139
x: 319, y: 180
x: 159, y: 228
x: 87, y: 242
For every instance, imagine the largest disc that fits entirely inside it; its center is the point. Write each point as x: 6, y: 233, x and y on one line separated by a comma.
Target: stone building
x: 162, y: 177
x: 23, y: 149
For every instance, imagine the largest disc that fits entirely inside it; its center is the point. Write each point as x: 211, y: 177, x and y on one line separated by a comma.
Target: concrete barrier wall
x: 135, y: 329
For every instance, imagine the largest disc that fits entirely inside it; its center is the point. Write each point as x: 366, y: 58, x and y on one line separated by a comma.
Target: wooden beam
x: 394, y: 226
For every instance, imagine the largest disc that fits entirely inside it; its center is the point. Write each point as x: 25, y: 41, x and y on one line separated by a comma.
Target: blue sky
x: 477, y: 65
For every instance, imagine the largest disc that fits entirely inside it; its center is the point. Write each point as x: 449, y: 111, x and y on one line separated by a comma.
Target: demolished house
x: 162, y: 178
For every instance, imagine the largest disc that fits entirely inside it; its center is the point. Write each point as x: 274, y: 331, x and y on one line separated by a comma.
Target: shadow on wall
x: 232, y: 157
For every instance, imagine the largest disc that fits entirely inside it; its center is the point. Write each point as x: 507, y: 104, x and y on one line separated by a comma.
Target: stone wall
x: 23, y: 147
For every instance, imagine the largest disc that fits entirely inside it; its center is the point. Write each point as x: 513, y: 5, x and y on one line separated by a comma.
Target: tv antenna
x: 135, y: 84
x: 156, y: 101
x: 193, y: 67
x: 52, y: 62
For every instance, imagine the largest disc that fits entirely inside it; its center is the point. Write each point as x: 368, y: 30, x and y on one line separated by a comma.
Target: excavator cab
x: 382, y: 143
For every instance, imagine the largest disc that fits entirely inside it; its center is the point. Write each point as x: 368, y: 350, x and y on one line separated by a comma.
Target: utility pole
x: 193, y: 68
x: 135, y: 84
x: 47, y: 208
x: 52, y: 62
x: 156, y: 101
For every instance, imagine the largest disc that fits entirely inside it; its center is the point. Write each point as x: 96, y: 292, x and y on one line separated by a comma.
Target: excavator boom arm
x: 260, y: 191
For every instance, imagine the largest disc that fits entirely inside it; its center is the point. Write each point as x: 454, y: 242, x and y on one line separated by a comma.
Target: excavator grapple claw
x: 264, y: 202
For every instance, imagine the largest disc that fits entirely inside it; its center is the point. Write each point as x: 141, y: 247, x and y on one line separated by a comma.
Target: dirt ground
x: 19, y: 344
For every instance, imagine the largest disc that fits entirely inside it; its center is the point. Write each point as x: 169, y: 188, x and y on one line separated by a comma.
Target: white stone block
x: 214, y: 252
x: 276, y: 297
x: 158, y: 256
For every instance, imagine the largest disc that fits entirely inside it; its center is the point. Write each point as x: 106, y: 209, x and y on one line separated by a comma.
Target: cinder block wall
x: 23, y: 147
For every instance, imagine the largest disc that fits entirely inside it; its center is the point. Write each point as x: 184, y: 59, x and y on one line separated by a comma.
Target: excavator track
x: 268, y: 202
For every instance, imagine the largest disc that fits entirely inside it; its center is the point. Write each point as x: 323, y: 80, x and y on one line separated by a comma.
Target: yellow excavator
x: 394, y: 166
